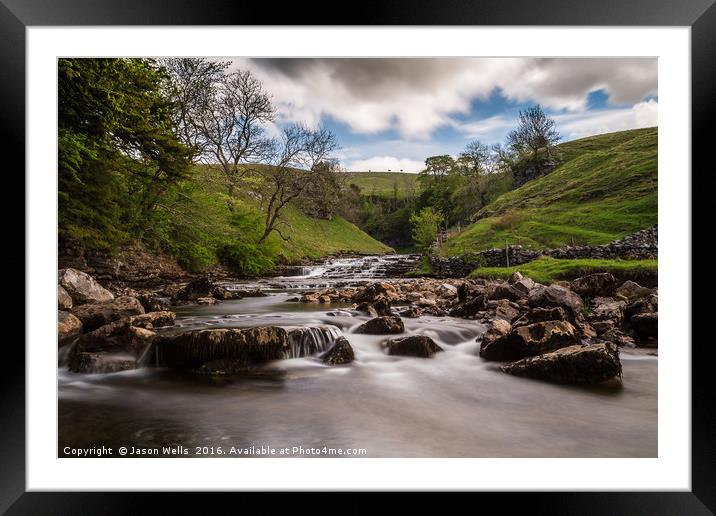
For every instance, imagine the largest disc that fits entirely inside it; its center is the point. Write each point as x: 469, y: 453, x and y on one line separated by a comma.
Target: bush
x: 246, y: 259
x: 425, y: 227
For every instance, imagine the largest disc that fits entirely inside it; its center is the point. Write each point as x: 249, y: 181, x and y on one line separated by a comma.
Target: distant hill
x: 604, y: 189
x: 383, y: 184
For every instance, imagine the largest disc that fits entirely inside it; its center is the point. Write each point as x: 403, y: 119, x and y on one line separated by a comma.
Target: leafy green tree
x: 118, y: 150
x: 426, y: 225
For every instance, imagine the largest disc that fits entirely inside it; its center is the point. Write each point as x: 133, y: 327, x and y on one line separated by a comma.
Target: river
x: 453, y: 405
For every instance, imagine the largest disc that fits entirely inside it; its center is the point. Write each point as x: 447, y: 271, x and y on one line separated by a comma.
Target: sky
x: 392, y: 113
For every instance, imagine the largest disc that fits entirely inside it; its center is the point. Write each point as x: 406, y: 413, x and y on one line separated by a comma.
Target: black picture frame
x: 700, y: 15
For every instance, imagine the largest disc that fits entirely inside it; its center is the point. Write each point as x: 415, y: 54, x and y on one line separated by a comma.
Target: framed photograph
x: 419, y: 252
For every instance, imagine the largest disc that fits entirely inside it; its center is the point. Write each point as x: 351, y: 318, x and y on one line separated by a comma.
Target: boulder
x: 64, y: 300
x: 100, y: 363
x: 507, y: 291
x: 574, y: 365
x: 366, y: 308
x: 309, y: 297
x: 205, y: 300
x: 420, y: 346
x: 607, y: 309
x: 154, y: 319
x: 647, y: 304
x: 112, y: 337
x: 152, y: 303
x: 237, y: 348
x: 202, y: 288
x: 524, y: 285
x: 631, y: 291
x: 530, y: 340
x: 382, y: 326
x: 645, y: 325
x: 82, y: 287
x: 94, y: 315
x: 469, y: 290
x: 592, y: 285
x: 515, y: 277
x: 382, y: 306
x: 505, y: 310
x: 556, y: 295
x: 618, y: 337
x: 68, y: 327
x: 374, y: 290
x: 340, y: 353
x: 411, y: 312
x: 498, y: 328
x: 556, y: 313
x: 447, y: 291
x: 470, y: 308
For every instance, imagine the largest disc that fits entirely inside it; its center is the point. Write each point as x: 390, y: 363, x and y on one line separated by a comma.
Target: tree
x: 437, y: 167
x: 535, y: 133
x: 222, y: 116
x: 426, y: 225
x: 118, y: 149
x: 473, y: 161
x: 294, y: 158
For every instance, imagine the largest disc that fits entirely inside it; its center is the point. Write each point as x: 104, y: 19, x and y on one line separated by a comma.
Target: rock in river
x: 64, y: 301
x: 100, y: 363
x: 340, y: 353
x: 556, y: 295
x: 533, y: 339
x: 382, y: 326
x: 420, y: 346
x: 577, y: 364
x: 68, y: 327
x: 94, y: 315
x: 82, y: 287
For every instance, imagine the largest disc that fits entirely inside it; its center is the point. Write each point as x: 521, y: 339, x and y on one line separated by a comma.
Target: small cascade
x: 63, y: 354
x: 303, y: 342
x: 363, y: 267
x: 146, y: 356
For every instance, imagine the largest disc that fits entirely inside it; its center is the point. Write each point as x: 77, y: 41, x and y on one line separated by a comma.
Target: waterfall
x: 303, y: 342
x: 363, y: 267
x: 63, y: 354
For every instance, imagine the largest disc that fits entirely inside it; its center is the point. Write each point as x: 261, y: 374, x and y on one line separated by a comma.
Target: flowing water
x: 453, y: 405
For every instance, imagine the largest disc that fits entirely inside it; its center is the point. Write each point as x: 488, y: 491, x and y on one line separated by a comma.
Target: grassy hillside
x: 604, y: 189
x: 384, y: 183
x: 547, y: 270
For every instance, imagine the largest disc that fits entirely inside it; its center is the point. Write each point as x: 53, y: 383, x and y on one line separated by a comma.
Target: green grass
x: 383, y: 183
x: 316, y: 238
x: 308, y: 237
x: 548, y: 270
x: 604, y: 189
x: 423, y: 269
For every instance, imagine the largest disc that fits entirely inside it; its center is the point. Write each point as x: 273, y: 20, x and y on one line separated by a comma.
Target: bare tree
x: 474, y: 159
x: 191, y: 82
x: 535, y: 132
x: 295, y: 156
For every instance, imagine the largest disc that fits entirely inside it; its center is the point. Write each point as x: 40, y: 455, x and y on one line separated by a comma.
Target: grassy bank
x: 384, y: 184
x: 547, y: 270
x: 604, y: 189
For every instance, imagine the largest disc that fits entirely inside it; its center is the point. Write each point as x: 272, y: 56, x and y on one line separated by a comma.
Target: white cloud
x: 642, y: 114
x: 385, y: 163
x: 416, y: 96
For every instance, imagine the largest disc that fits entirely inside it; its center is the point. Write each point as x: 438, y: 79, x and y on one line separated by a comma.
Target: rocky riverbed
x: 592, y: 331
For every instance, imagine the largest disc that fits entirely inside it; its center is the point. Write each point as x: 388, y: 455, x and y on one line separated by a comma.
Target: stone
x: 598, y: 284
x: 366, y: 308
x: 498, y: 328
x: 202, y: 288
x: 607, y: 309
x: 506, y: 311
x: 469, y: 308
x: 507, y: 291
x: 382, y: 306
x: 239, y: 347
x: 95, y: 363
x: 64, y: 300
x: 556, y: 295
x: 205, y: 300
x: 647, y: 304
x: 309, y: 297
x: 556, y: 313
x: 152, y: 303
x: 573, y: 365
x: 371, y: 292
x: 530, y: 340
x: 382, y: 326
x: 109, y: 337
x: 340, y: 353
x: 524, y: 285
x: 154, y: 319
x: 631, y: 291
x: 324, y: 299
x: 411, y: 312
x: 82, y: 287
x: 645, y: 325
x: 94, y: 315
x: 68, y: 327
x: 469, y: 290
x: 447, y: 291
x: 420, y: 346
x: 515, y: 277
